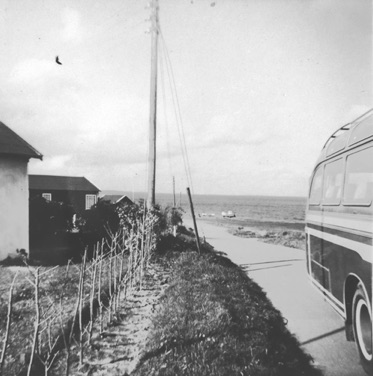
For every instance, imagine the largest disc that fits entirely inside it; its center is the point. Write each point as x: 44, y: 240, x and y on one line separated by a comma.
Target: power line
x: 177, y: 110
x: 165, y: 113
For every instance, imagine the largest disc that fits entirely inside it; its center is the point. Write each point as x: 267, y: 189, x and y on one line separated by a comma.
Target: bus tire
x: 362, y: 326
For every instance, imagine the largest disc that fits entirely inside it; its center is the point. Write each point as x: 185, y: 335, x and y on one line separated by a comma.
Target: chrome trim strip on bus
x: 353, y: 224
x: 335, y: 303
x: 352, y: 235
x: 364, y: 250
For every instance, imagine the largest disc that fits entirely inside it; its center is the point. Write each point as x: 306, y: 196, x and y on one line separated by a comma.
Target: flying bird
x: 58, y: 61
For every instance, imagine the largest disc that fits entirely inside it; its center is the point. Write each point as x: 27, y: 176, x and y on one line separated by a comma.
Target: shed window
x: 359, y: 178
x: 47, y: 196
x: 90, y: 200
x: 333, y: 183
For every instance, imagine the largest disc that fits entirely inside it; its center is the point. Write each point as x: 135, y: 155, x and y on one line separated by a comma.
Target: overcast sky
x: 260, y: 86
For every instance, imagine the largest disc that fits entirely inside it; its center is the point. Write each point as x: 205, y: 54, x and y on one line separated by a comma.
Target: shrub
x: 49, y: 216
x: 132, y: 216
x: 101, y: 220
x: 169, y: 217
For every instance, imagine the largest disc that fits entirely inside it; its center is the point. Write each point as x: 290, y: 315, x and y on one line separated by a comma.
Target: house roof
x: 116, y: 199
x: 61, y: 183
x: 12, y: 144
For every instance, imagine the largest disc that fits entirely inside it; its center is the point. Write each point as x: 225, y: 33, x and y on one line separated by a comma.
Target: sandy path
x: 117, y: 351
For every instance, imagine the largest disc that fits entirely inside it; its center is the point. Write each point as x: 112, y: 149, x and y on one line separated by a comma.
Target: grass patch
x: 214, y: 320
x: 291, y: 239
x: 288, y: 238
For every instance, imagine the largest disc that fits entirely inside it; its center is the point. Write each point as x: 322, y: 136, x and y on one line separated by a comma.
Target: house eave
x: 23, y: 155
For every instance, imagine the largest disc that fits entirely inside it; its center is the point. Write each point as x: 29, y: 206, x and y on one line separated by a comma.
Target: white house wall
x: 14, y: 207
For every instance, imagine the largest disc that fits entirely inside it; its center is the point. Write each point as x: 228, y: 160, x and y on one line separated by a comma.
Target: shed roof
x: 61, y: 183
x: 116, y: 199
x: 12, y: 144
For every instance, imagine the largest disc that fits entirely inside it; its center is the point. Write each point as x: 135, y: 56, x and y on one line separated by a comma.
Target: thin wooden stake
x: 115, y: 259
x: 142, y: 253
x: 93, y: 290
x: 36, y: 324
x: 8, y: 322
x: 99, y: 287
x: 110, y: 283
x: 81, y: 302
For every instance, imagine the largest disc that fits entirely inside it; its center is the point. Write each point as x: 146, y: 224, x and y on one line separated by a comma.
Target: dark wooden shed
x: 76, y: 191
x: 117, y: 199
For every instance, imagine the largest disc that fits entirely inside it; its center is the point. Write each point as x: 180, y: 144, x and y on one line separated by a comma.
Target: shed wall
x: 14, y: 208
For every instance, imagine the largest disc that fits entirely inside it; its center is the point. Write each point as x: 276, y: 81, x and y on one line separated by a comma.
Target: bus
x: 339, y: 229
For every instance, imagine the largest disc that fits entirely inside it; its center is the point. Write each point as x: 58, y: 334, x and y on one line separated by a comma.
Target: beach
x: 286, y: 233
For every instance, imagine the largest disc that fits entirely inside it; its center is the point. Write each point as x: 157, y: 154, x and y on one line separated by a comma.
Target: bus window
x: 337, y: 144
x: 362, y: 130
x: 359, y: 178
x: 333, y: 182
x: 316, y: 187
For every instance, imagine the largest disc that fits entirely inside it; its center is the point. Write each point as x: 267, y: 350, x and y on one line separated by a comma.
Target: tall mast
x: 153, y: 106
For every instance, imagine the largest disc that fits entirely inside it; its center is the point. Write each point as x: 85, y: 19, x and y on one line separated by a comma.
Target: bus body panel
x: 339, y: 219
x: 335, y: 254
x: 339, y: 244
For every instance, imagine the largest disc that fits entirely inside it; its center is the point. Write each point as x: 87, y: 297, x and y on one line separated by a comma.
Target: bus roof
x: 350, y: 135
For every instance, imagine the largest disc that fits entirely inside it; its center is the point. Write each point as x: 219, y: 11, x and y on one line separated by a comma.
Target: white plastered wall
x: 14, y: 206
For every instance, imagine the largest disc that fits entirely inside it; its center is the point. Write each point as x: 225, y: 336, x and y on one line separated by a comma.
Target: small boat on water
x: 228, y: 214
x: 208, y: 215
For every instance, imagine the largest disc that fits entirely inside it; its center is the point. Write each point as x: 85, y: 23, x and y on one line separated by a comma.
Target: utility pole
x: 173, y: 185
x: 153, y: 105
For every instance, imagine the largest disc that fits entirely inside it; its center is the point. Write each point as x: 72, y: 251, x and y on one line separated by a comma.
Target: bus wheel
x: 362, y: 325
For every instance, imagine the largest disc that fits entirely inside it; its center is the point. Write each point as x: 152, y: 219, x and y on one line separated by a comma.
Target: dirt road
x: 281, y: 272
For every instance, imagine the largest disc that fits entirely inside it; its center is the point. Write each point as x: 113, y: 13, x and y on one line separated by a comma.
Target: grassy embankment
x: 214, y: 320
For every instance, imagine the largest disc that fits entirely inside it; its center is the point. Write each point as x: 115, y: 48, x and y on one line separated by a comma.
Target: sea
x: 257, y: 208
